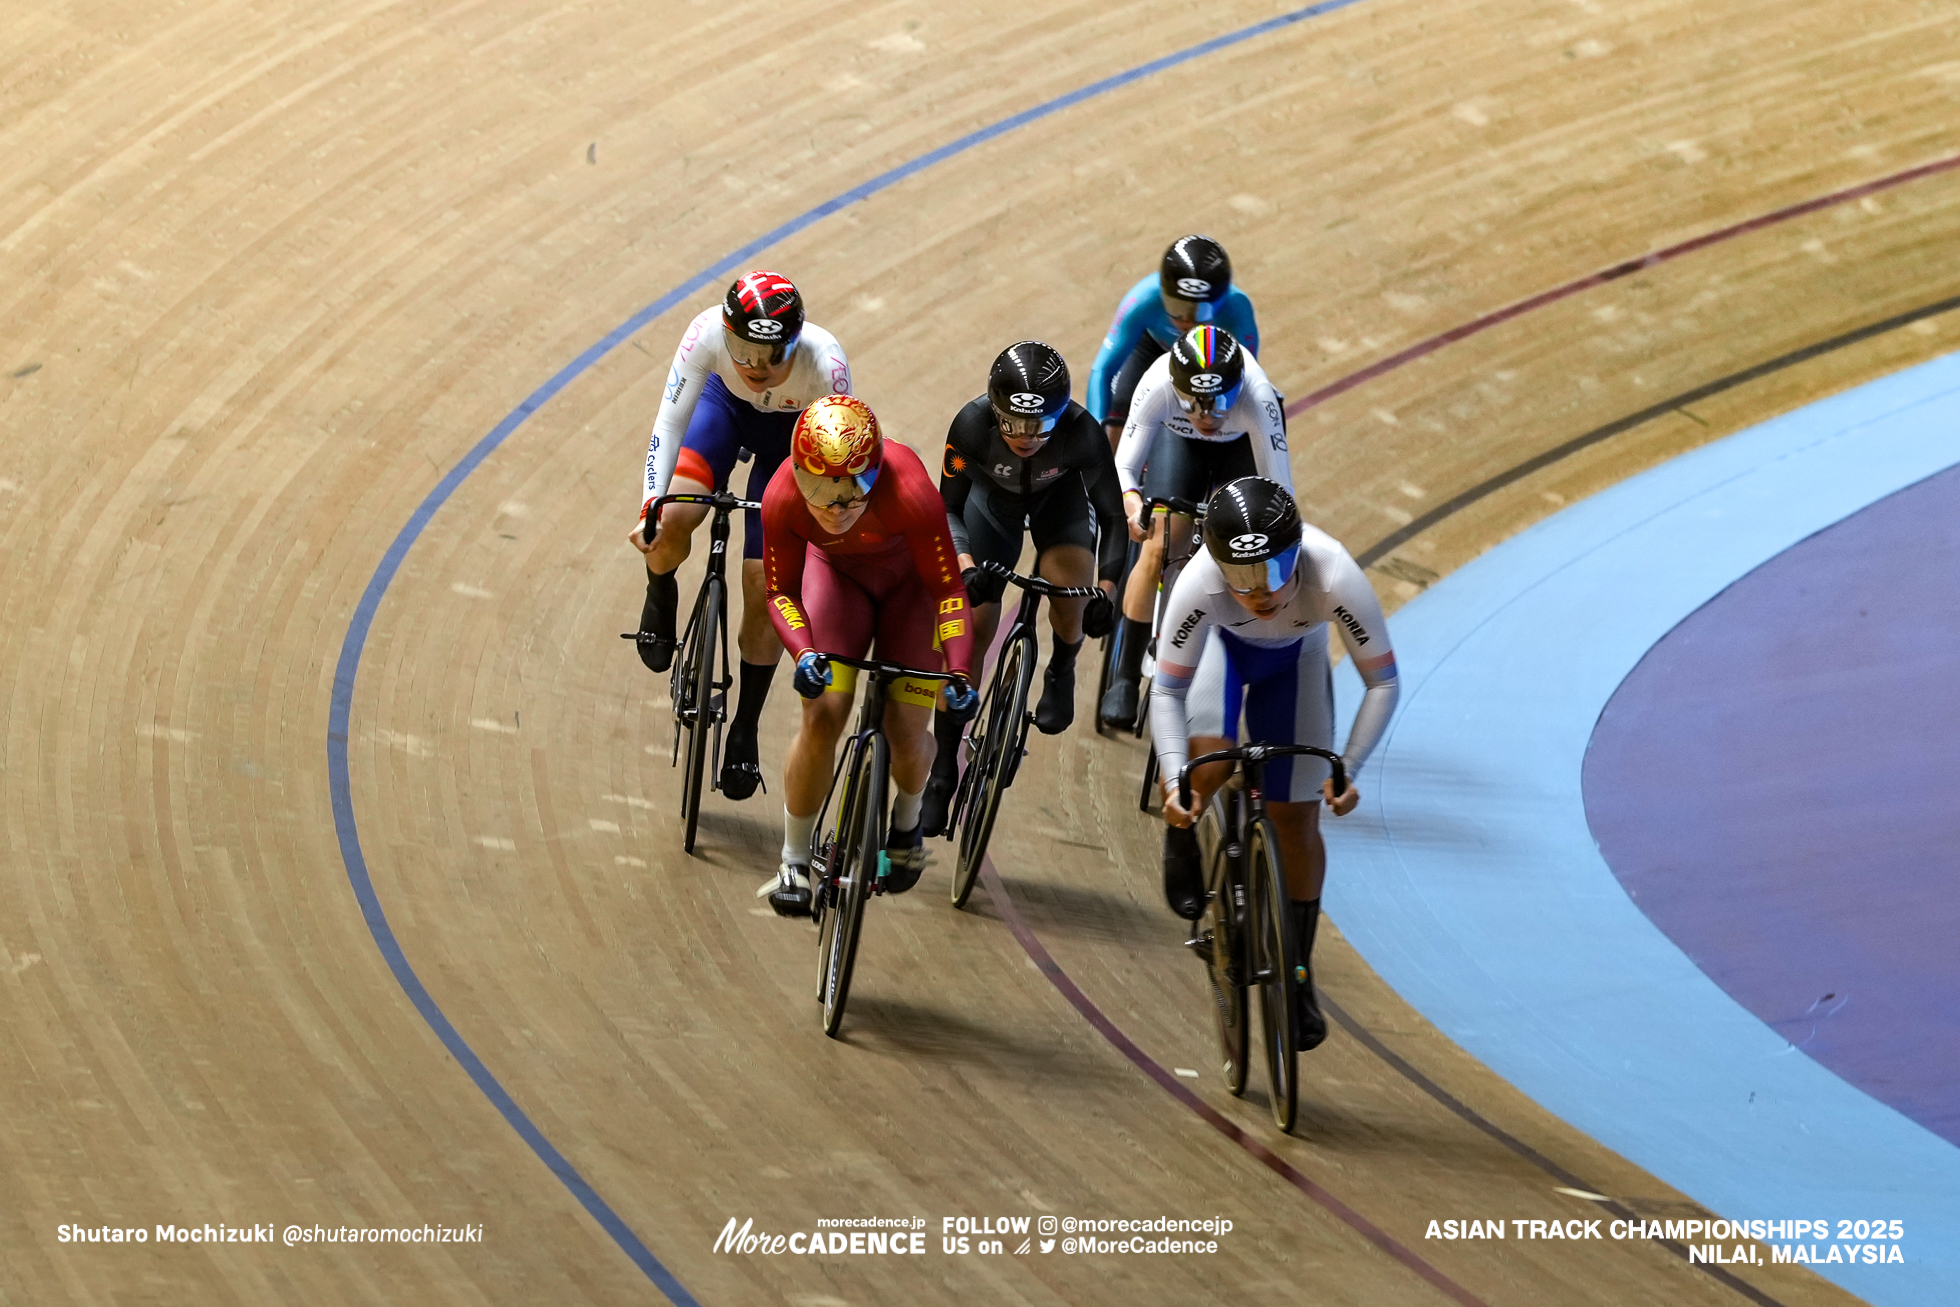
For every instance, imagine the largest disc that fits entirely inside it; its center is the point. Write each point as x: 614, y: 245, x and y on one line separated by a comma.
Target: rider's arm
x: 1125, y: 334
x: 964, y: 439
x: 953, y: 486
x: 830, y: 370
x: 1357, y: 614
x: 1236, y: 316
x: 918, y: 513
x: 1266, y: 426
x: 1146, y: 416
x: 783, y: 543
x: 700, y: 349
x: 1188, y: 616
x: 1106, y: 497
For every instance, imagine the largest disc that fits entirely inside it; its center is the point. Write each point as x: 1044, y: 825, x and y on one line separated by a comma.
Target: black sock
x: 665, y: 589
x: 946, y: 731
x: 1064, y: 654
x: 756, y: 679
x: 1135, y: 636
x: 1306, y: 916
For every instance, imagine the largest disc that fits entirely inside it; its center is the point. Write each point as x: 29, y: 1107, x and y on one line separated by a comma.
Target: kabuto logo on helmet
x: 1193, y: 288
x: 1024, y: 401
x: 1207, y: 383
x: 764, y: 328
x: 1249, y: 543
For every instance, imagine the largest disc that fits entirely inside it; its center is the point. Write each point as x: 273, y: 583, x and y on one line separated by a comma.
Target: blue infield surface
x: 1471, y: 881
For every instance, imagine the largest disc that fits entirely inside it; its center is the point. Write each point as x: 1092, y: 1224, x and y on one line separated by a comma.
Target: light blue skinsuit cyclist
x: 1193, y: 285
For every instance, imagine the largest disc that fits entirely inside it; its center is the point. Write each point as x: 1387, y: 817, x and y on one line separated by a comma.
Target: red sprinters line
x: 1038, y: 953
x: 1488, y: 320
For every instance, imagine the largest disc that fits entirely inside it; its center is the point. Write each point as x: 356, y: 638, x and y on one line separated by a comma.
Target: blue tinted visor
x: 1219, y: 403
x: 1270, y: 574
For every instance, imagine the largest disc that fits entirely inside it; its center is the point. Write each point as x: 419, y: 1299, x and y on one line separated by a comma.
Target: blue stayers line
x: 341, y: 710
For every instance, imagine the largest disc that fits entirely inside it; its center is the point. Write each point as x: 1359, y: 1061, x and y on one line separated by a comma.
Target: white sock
x: 796, y: 836
x: 905, y: 810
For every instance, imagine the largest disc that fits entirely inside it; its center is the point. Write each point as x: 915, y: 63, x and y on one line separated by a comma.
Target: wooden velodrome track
x: 268, y: 272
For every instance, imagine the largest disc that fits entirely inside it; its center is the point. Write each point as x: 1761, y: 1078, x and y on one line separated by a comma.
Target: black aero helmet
x: 763, y: 315
x: 1207, y: 370
x: 1028, y: 388
x: 1194, y: 276
x: 1252, y: 530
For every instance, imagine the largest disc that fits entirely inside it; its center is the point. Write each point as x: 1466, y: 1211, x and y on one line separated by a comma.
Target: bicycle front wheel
x: 1225, y: 943
x: 699, y: 669
x: 1273, y: 947
x: 1000, y: 749
x: 854, y: 862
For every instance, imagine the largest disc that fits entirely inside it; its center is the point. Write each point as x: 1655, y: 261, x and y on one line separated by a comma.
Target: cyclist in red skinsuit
x: 855, y: 550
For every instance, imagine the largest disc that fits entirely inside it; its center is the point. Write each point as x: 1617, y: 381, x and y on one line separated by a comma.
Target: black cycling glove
x: 1098, y: 616
x: 983, y: 586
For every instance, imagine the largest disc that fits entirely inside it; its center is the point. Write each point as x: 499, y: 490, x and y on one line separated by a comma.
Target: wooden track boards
x: 268, y: 272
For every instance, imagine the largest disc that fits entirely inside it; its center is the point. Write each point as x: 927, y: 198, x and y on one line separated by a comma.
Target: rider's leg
x: 1184, y: 872
x: 1070, y: 564
x: 767, y: 436
x: 1119, y: 705
x: 1304, y: 856
x: 672, y: 538
x: 1140, y: 594
x: 807, y: 768
x: 806, y: 779
x: 1177, y: 547
x: 842, y: 617
x: 1299, y: 695
x: 907, y: 624
x: 708, y: 452
x: 946, y: 734
x: 741, y: 769
x: 989, y: 539
x: 1212, y: 706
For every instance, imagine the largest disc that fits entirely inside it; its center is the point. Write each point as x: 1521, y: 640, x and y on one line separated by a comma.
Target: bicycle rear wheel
x: 994, y: 767
x: 1273, y: 948
x: 1224, y: 927
x: 699, y: 670
x: 854, y: 866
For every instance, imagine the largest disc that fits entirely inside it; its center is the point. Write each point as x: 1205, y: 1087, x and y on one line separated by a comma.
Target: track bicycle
x: 847, y: 865
x: 997, y: 740
x: 1244, y: 936
x: 700, y: 695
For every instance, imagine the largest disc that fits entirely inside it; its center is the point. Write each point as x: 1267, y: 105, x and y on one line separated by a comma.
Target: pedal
x: 1200, y: 945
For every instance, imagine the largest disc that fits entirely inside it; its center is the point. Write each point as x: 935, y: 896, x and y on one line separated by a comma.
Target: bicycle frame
x: 840, y: 877
x: 998, y: 739
x: 1257, y: 947
x: 724, y: 505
